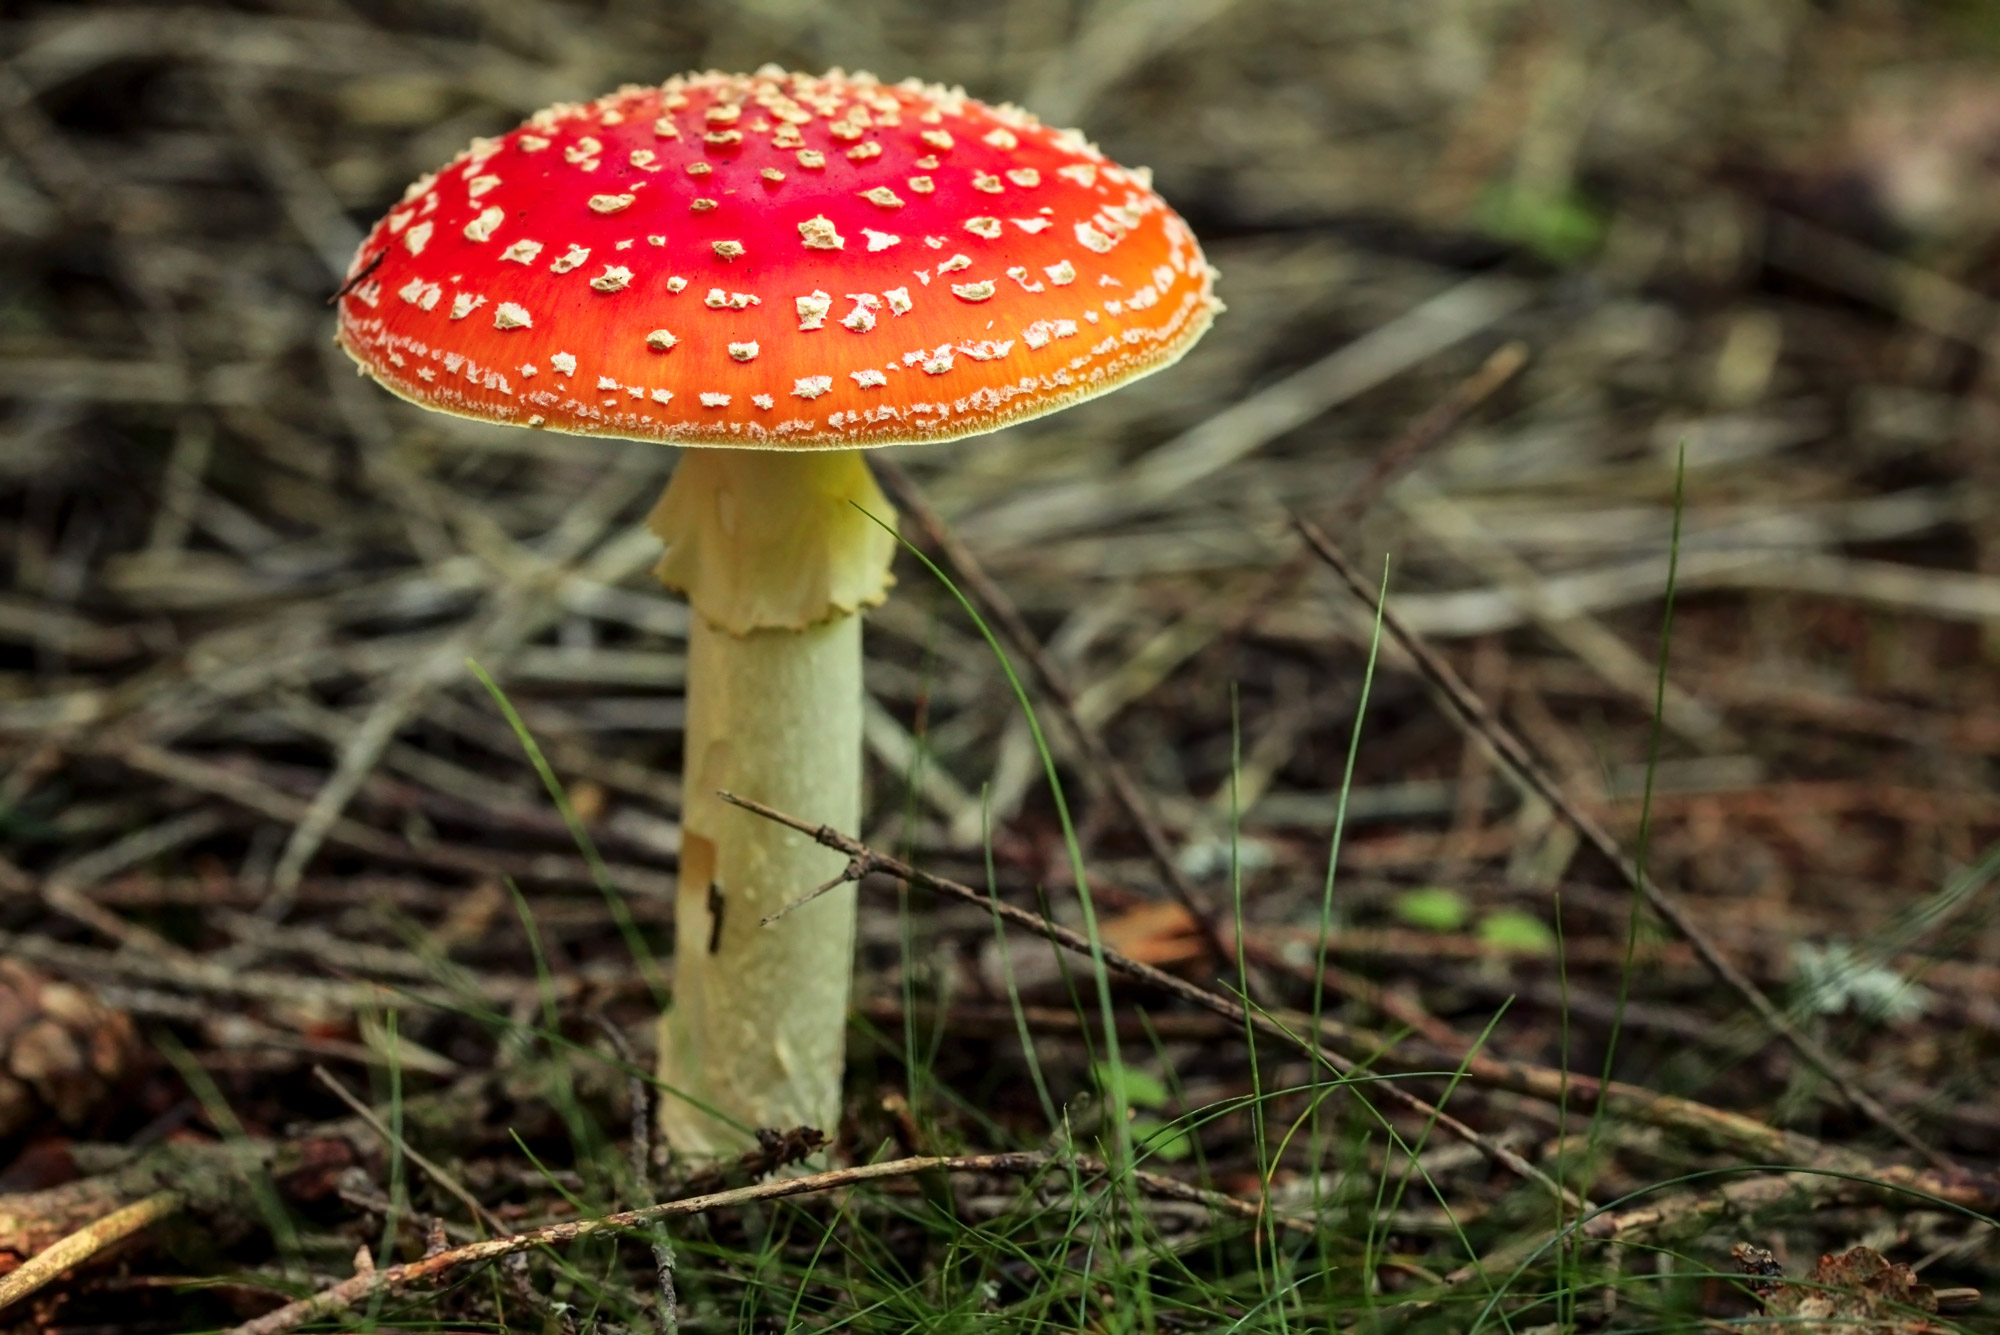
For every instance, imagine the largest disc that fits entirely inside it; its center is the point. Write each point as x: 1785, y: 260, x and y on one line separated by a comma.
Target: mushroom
x: 776, y: 271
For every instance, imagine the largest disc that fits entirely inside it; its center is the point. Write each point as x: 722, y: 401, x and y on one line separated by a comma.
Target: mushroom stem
x: 776, y: 559
x: 760, y: 1013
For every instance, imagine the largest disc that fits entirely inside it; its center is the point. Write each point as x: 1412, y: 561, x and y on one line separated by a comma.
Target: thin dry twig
x: 1290, y: 1030
x: 640, y: 1159
x: 363, y: 1286
x: 1467, y: 709
x: 86, y: 1242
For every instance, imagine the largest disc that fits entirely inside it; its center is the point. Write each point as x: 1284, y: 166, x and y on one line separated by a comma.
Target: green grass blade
x: 1121, y: 1133
x: 621, y: 913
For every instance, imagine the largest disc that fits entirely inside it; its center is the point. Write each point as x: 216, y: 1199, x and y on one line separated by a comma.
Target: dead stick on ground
x: 1765, y: 1191
x: 1472, y: 714
x: 87, y: 1242
x: 363, y: 1286
x: 863, y: 860
x: 640, y: 1158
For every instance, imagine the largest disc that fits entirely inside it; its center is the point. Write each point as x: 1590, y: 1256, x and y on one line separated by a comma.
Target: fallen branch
x: 1764, y: 1190
x: 87, y: 1242
x: 365, y: 1285
x: 639, y: 1161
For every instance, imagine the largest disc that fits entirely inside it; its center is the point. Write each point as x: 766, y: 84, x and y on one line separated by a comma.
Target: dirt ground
x: 1645, y: 348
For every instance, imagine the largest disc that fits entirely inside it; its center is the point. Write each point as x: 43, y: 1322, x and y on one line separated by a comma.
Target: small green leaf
x: 1160, y: 1140
x: 1563, y: 228
x: 1517, y: 932
x: 1140, y: 1089
x: 1435, y: 908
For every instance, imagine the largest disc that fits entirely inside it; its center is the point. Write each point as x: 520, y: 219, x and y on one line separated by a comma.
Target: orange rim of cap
x: 775, y: 261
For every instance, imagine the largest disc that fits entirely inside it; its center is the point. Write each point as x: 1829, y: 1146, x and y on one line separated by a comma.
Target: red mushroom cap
x: 775, y: 260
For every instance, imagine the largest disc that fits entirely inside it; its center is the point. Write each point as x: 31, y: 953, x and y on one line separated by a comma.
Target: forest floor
x: 1638, y: 868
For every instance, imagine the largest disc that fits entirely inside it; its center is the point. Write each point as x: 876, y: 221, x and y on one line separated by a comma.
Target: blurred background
x: 1744, y: 251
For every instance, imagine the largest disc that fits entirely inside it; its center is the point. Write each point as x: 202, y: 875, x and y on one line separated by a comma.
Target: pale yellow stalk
x: 776, y: 561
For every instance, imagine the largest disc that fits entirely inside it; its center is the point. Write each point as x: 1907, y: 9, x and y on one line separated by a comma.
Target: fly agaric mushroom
x: 776, y: 270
